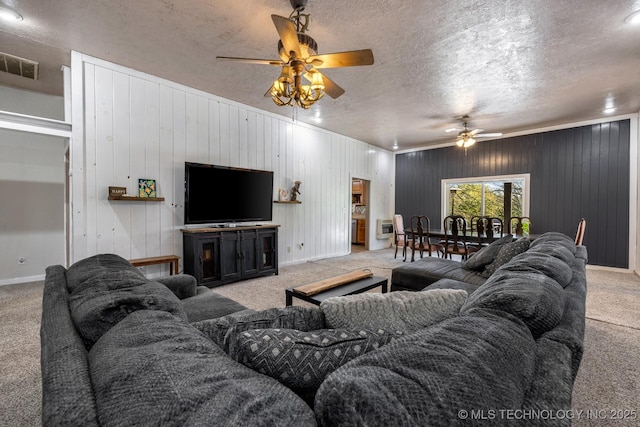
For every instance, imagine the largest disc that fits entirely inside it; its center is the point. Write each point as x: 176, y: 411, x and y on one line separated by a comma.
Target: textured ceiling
x: 510, y: 65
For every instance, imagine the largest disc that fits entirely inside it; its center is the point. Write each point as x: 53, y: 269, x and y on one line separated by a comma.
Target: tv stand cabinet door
x: 250, y: 254
x: 230, y: 256
x: 268, y: 246
x: 202, y: 258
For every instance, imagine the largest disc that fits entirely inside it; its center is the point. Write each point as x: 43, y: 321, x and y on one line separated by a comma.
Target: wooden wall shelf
x: 294, y: 202
x: 137, y: 199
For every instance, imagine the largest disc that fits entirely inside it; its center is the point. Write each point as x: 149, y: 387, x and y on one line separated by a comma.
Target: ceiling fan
x: 467, y: 137
x: 299, y: 59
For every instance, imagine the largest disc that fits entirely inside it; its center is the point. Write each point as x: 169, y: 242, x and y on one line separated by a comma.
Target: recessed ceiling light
x: 634, y: 18
x: 395, y: 145
x: 9, y: 14
x: 609, y: 110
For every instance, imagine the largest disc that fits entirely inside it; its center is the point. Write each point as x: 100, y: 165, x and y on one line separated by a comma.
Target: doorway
x: 360, y: 222
x: 32, y: 179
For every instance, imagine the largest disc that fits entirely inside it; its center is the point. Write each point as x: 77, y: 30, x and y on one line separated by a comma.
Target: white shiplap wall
x: 130, y: 125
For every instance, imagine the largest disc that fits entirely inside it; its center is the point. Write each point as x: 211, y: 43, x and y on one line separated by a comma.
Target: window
x: 490, y: 196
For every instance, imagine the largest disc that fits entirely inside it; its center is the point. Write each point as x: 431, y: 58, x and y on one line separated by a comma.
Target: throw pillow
x: 486, y: 255
x: 302, y: 360
x: 224, y: 330
x: 396, y: 311
x: 505, y: 254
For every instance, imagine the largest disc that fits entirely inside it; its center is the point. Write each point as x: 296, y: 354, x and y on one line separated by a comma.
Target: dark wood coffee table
x: 352, y: 288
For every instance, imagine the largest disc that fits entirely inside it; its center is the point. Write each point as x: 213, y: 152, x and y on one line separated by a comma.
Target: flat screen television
x: 221, y: 194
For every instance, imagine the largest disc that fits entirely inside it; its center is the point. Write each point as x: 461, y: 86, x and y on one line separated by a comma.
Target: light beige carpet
x: 608, y: 380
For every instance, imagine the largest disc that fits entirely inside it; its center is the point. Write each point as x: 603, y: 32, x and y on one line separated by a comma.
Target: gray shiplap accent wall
x: 576, y: 173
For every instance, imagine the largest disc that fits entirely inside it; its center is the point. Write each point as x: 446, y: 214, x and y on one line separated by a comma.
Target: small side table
x: 352, y: 288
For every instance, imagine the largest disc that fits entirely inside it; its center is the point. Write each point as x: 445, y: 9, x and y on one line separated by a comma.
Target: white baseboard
x: 612, y: 269
x: 19, y: 280
x: 300, y: 261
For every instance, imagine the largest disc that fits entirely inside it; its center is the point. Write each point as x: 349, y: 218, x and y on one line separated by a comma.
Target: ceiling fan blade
x: 453, y: 130
x: 330, y: 87
x: 342, y: 59
x: 288, y: 34
x: 475, y: 131
x: 275, y: 62
x: 489, y: 135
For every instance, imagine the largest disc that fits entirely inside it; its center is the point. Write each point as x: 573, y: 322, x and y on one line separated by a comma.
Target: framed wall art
x: 147, y: 187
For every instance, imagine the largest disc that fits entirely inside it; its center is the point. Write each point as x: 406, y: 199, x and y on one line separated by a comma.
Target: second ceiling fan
x: 467, y: 136
x: 299, y: 59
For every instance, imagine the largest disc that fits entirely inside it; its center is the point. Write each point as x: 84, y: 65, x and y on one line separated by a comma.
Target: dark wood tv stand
x: 219, y: 255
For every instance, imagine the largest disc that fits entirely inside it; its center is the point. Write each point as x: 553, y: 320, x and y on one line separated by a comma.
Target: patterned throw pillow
x: 507, y: 252
x: 486, y: 255
x: 302, y: 360
x: 224, y: 330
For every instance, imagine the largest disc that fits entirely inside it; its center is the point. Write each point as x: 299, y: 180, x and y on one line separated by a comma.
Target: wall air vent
x: 19, y: 66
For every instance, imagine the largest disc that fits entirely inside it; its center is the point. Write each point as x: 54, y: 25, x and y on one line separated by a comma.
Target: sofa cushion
x: 182, y: 285
x: 557, y: 245
x: 486, y: 255
x: 223, y: 331
x: 154, y: 369
x: 302, y: 360
x: 507, y: 251
x: 402, y: 311
x: 90, y: 269
x: 543, y: 263
x: 452, y: 284
x: 556, y: 239
x: 94, y: 312
x: 426, y: 378
x: 530, y: 296
x: 420, y: 274
x: 209, y: 305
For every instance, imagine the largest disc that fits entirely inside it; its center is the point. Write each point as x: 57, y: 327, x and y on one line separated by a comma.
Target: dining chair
x: 420, y: 239
x: 582, y: 225
x: 486, y: 229
x: 456, y: 239
x: 518, y: 225
x: 399, y: 235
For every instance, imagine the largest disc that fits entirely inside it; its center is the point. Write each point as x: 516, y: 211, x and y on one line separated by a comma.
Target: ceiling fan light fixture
x: 288, y: 90
x: 9, y: 14
x: 469, y: 142
x: 316, y: 82
x: 634, y: 18
x: 299, y: 59
x: 286, y: 76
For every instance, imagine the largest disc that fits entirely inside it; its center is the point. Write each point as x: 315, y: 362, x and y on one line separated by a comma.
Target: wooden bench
x: 172, y: 260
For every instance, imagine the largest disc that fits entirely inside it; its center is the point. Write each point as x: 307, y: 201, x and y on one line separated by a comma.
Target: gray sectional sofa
x: 118, y: 349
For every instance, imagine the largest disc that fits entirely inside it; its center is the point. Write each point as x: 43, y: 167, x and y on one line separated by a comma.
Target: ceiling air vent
x: 19, y: 66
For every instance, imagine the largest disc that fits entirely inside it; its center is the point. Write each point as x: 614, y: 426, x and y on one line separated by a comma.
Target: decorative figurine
x: 295, y: 191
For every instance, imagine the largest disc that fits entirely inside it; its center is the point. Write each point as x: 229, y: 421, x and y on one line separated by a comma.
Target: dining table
x: 467, y: 238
